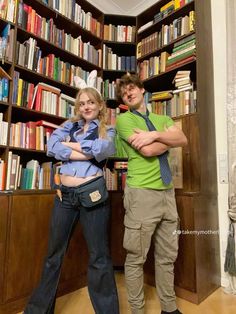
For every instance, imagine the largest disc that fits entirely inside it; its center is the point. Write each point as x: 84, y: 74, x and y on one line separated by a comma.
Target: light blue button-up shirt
x: 100, y: 148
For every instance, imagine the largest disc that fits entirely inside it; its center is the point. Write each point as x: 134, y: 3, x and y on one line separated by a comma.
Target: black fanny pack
x: 90, y: 193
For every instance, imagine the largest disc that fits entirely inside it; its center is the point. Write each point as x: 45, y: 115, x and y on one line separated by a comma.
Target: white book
x: 68, y: 98
x: 9, y: 161
x: 143, y: 27
x: 17, y: 172
x: 1, y: 127
x: 186, y: 87
x: 19, y: 176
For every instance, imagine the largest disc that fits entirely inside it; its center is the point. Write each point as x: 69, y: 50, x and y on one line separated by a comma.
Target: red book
x: 124, y: 107
x: 30, y: 95
x: 28, y: 27
x: 2, y: 175
x: 180, y: 63
x: 37, y: 105
x: 37, y: 97
x: 31, y: 130
x: 47, y: 124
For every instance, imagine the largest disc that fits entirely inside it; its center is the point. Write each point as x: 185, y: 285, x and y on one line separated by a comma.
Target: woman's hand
x: 74, y: 145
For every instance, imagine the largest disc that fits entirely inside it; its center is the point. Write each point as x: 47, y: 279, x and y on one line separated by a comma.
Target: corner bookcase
x: 197, y: 269
x: 25, y: 214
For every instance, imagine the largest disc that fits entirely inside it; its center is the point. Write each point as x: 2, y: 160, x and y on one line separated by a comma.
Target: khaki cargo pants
x: 150, y: 214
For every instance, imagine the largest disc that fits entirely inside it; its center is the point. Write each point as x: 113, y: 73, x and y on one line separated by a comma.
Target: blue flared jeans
x: 101, y: 282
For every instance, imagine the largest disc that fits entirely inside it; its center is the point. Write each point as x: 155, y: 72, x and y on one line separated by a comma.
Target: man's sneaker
x: 173, y: 312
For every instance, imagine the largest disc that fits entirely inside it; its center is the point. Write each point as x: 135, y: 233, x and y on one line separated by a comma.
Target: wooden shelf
x: 157, y: 82
x: 28, y: 114
x: 36, y: 77
x: 166, y: 20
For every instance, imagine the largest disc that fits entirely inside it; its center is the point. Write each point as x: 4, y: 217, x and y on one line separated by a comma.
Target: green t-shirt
x: 143, y: 172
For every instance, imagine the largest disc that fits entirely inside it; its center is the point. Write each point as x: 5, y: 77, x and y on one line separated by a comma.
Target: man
x: 149, y: 198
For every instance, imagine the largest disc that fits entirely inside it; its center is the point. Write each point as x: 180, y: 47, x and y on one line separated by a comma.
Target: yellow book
x: 191, y: 21
x: 19, y: 95
x: 166, y: 6
x: 138, y: 50
x: 177, y: 4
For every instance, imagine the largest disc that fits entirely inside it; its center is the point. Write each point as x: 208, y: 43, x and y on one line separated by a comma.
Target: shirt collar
x: 92, y: 123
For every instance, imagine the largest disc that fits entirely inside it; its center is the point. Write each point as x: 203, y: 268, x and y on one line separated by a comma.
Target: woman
x: 82, y: 145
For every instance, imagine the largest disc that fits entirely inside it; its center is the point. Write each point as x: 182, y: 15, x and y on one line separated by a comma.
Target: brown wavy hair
x: 95, y: 96
x: 124, y: 81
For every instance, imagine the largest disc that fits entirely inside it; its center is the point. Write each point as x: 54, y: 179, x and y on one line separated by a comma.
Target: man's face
x: 132, y: 96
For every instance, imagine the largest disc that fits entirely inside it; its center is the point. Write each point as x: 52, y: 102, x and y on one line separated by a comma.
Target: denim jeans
x: 101, y: 282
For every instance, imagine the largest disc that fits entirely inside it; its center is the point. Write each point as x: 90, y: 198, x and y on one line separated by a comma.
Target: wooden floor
x: 78, y: 302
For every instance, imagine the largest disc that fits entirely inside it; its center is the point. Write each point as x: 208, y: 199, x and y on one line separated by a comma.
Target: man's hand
x: 142, y: 138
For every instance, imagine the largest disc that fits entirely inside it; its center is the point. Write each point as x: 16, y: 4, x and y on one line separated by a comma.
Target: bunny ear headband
x: 91, y: 81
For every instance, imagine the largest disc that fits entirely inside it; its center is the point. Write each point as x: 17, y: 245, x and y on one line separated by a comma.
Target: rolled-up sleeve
x: 54, y: 146
x: 100, y: 148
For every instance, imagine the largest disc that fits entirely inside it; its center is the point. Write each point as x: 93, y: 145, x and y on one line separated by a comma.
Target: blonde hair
x: 97, y: 98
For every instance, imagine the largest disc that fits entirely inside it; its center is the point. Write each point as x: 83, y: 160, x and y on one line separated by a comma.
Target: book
x: 145, y: 26
x: 184, y: 88
x: 31, y: 135
x: 33, y: 164
x: 9, y: 162
x: 123, y: 107
x: 180, y: 63
x: 162, y: 95
x: 37, y: 96
x: 182, y: 82
x: 46, y: 124
x: 2, y: 174
x: 183, y: 55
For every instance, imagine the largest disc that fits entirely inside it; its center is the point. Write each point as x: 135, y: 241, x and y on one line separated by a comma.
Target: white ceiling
x: 123, y: 7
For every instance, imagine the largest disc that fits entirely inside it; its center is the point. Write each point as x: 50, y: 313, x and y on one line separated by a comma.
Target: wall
x: 219, y: 59
x: 123, y: 7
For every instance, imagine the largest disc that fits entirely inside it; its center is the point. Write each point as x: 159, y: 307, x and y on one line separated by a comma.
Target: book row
x: 8, y: 10
x: 165, y: 10
x: 181, y: 103
x: 166, y: 62
x: 112, y: 61
x: 168, y: 33
x: 29, y: 55
x: 29, y: 135
x: 73, y: 11
x: 46, y: 29
x: 119, y: 33
x: 41, y: 97
x: 34, y: 175
x: 115, y: 179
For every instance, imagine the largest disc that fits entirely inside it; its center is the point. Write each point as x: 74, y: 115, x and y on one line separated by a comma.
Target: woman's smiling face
x: 88, y: 107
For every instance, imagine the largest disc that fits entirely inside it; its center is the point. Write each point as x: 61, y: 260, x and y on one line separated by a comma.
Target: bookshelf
x: 119, y: 49
x: 24, y: 211
x: 25, y: 214
x: 195, y: 276
x: 119, y: 40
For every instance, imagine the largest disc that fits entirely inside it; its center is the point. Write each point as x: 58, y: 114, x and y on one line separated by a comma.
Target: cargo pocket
x: 126, y: 200
x: 132, y: 237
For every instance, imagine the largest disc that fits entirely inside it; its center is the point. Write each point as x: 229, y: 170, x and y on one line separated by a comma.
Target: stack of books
x: 184, y: 51
x: 182, y: 81
x: 184, y: 96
